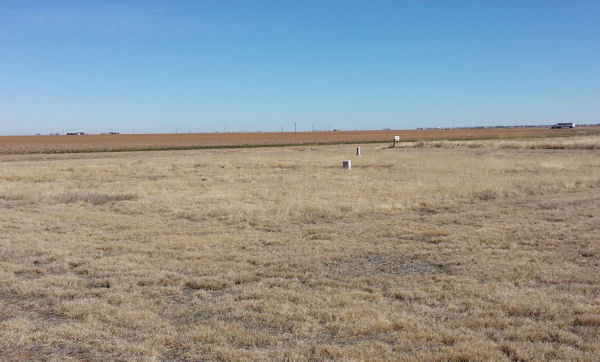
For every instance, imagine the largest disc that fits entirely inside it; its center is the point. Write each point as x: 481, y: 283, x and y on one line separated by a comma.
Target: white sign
x: 397, y: 138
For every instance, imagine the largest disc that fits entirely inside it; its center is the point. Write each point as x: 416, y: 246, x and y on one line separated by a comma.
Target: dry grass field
x: 462, y: 250
x: 53, y: 144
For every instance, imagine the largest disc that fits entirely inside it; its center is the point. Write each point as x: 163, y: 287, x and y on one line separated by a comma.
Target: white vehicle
x: 564, y: 125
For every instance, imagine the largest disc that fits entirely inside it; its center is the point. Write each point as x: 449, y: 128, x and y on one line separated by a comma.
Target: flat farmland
x: 49, y: 144
x: 434, y: 250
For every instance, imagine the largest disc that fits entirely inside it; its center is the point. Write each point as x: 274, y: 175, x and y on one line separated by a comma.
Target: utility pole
x: 294, y: 126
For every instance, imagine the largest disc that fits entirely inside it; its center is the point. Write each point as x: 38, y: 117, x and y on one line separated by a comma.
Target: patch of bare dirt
x: 373, y: 264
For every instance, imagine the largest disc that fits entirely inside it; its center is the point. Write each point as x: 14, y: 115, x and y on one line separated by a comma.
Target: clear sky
x: 206, y: 66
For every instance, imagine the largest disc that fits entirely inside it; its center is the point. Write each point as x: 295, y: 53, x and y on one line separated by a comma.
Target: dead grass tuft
x: 100, y: 284
x: 587, y: 321
x: 207, y: 284
x: 94, y: 198
x: 486, y: 195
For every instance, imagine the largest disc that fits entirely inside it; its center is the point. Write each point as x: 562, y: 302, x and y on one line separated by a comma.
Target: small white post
x: 358, y: 151
x: 347, y: 164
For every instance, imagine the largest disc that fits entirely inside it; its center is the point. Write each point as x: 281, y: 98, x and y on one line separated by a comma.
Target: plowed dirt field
x: 87, y: 143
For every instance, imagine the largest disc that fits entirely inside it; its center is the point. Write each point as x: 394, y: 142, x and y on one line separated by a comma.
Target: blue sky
x: 206, y: 66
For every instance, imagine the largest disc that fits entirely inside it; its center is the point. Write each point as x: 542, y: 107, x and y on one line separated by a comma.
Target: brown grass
x: 426, y: 253
x: 557, y: 143
x: 93, y: 198
x: 50, y: 144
